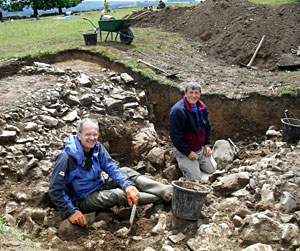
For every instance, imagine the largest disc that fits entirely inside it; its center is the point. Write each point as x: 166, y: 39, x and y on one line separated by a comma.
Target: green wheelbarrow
x: 119, y: 26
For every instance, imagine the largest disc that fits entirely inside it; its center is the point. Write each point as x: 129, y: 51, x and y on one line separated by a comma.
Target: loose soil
x: 232, y: 29
x: 194, y: 187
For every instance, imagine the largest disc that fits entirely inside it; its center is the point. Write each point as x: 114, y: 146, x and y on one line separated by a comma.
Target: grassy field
x: 26, y: 37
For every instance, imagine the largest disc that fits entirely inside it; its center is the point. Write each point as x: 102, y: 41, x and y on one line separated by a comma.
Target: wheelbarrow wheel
x: 128, y: 38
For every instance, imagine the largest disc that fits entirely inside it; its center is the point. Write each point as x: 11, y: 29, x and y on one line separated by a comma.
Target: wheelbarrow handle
x: 84, y: 18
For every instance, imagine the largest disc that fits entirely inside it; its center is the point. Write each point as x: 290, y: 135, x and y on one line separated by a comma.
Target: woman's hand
x: 207, y: 150
x: 193, y: 156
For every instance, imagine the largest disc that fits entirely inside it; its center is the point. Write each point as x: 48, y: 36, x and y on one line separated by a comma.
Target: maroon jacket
x: 185, y: 131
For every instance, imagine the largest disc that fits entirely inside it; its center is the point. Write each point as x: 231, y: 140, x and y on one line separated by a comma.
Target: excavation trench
x: 240, y: 119
x: 26, y: 165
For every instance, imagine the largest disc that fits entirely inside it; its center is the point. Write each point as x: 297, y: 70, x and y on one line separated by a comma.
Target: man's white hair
x: 86, y: 120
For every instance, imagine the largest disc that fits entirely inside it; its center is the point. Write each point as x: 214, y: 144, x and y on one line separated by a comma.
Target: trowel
x: 132, y: 219
x: 238, y: 152
x: 132, y: 215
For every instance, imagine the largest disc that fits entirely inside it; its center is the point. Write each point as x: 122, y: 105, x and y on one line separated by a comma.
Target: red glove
x: 78, y: 218
x: 133, y: 195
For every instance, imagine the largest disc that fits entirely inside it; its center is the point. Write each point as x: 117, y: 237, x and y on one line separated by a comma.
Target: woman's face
x: 192, y: 96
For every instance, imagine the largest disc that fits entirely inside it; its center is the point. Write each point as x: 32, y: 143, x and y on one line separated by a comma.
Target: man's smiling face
x: 89, y: 136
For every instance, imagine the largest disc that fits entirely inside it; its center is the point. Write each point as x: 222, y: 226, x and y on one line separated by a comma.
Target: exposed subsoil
x: 232, y: 29
x: 229, y: 31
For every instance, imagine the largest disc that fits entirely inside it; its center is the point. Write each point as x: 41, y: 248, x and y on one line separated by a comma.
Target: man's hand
x: 133, y: 195
x: 207, y: 151
x: 78, y: 218
x: 193, y: 156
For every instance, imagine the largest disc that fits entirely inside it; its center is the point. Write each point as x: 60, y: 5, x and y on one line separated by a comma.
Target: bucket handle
x: 285, y: 111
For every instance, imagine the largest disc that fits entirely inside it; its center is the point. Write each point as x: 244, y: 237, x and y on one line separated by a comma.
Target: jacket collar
x: 199, y: 103
x: 74, y: 148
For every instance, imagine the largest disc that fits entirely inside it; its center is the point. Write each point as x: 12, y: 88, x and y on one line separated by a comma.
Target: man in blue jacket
x: 78, y: 184
x: 190, y: 134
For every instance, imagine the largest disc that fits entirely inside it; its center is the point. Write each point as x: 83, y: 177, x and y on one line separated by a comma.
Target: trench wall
x: 235, y: 118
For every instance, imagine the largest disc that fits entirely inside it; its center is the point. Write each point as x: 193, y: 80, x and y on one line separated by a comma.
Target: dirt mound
x: 231, y: 30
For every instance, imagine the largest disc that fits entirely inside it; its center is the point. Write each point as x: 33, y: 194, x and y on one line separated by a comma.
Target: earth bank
x: 232, y: 29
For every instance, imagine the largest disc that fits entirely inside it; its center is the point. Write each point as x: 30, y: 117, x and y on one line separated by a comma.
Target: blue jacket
x: 70, y: 181
x: 185, y: 131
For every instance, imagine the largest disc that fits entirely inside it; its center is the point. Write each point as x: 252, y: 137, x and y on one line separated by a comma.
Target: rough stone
x: 49, y: 122
x: 144, y: 139
x: 114, y: 107
x: 161, y: 225
x: 12, y: 128
x: 222, y: 153
x: 288, y: 201
x: 127, y: 78
x: 84, y: 80
x: 260, y: 225
x: 8, y: 137
x: 267, y: 194
x: 156, y: 156
x: 289, y: 232
x: 87, y: 100
x: 232, y: 182
x: 31, y: 126
x: 258, y: 247
x: 71, y: 116
x: 177, y: 238
x: 72, y: 100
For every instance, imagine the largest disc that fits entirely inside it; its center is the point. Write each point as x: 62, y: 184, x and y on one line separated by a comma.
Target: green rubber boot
x: 150, y: 186
x: 147, y: 198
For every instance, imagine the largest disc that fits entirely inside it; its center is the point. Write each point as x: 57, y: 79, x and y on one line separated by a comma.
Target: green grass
x: 31, y: 37
x: 215, y: 93
x: 274, y: 2
x: 14, y: 235
x: 27, y: 37
x: 289, y: 90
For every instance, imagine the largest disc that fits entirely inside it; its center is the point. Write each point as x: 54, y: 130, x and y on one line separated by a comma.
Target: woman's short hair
x: 193, y: 86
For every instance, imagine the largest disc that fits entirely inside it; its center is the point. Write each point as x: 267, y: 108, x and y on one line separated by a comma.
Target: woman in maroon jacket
x: 190, y: 134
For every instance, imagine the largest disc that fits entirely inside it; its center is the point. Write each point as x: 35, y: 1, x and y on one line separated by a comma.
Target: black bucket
x: 290, y: 130
x: 90, y: 38
x: 188, y: 199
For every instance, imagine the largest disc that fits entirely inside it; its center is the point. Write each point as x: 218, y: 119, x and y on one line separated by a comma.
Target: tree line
x: 18, y: 5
